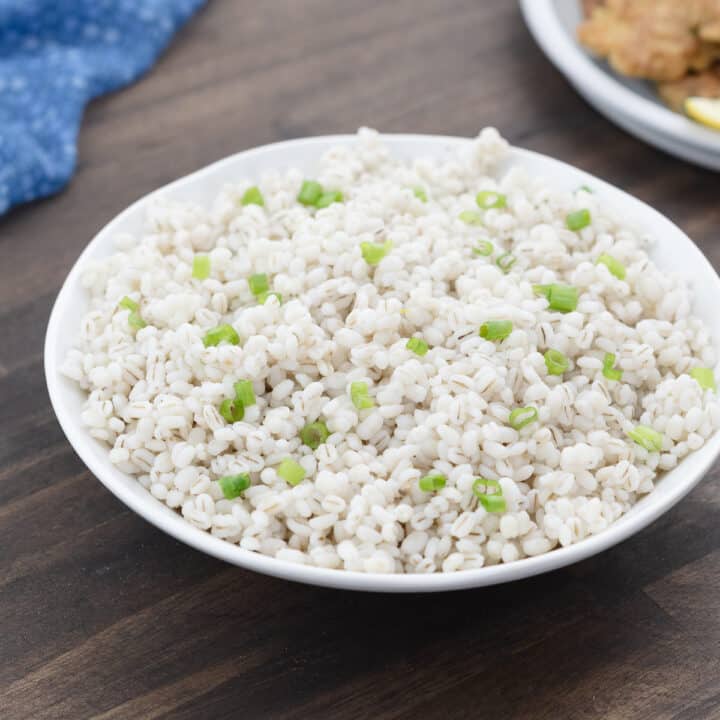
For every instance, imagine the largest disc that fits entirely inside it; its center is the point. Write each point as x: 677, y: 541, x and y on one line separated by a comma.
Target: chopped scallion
x: 493, y: 503
x: 586, y: 188
x: 135, y: 321
x: 263, y: 296
x: 484, y: 248
x: 253, y: 196
x: 221, y: 333
x: 646, y: 437
x: 483, y: 486
x: 487, y: 199
x: 291, y: 472
x: 506, y: 261
x: 244, y: 392
x: 520, y: 417
x: 432, y: 483
x: 373, y: 253
x: 705, y: 378
x: 201, y: 267
x: 127, y: 304
x: 232, y: 410
x: 258, y: 283
x: 314, y: 434
x: 613, y: 265
x: 328, y: 198
x: 542, y: 290
x: 496, y: 329
x: 608, y: 370
x: 310, y: 192
x: 578, y: 220
x: 489, y: 493
x: 470, y: 217
x: 418, y: 346
x: 563, y: 298
x: 233, y: 486
x: 359, y: 396
x: 556, y: 362
x: 420, y: 194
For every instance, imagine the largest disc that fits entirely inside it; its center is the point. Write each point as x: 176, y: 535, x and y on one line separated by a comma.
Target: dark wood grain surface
x: 103, y: 616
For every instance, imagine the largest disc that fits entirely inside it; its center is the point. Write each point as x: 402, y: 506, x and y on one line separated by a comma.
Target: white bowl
x: 628, y: 102
x: 674, y: 250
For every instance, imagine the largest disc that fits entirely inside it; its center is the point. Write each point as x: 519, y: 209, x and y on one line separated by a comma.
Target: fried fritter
x: 590, y: 5
x: 659, y: 40
x: 705, y: 84
x: 710, y: 31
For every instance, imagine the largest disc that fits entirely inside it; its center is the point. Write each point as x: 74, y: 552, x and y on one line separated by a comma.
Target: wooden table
x: 103, y: 616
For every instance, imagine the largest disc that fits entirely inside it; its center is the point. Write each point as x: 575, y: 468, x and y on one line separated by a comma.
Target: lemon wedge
x: 704, y: 110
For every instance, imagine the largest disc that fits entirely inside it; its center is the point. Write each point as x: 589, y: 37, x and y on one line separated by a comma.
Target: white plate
x: 630, y: 103
x: 674, y: 250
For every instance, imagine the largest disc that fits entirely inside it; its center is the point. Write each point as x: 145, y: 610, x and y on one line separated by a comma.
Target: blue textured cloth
x: 56, y: 55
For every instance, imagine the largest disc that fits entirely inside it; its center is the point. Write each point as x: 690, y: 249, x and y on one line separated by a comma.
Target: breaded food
x: 590, y: 5
x: 659, y: 40
x: 704, y: 84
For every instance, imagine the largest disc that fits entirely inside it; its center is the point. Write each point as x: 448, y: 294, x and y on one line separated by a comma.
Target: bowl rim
x: 176, y: 526
x: 609, y: 93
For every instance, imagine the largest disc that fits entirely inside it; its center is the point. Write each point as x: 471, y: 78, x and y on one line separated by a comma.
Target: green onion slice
x: 470, y: 217
x: 586, y: 188
x: 291, y: 472
x: 613, y: 265
x: 489, y: 493
x: 232, y: 410
x: 487, y: 199
x: 432, y: 483
x: 310, y: 192
x: 359, y: 396
x: 555, y: 362
x: 420, y: 194
x: 201, y: 267
x: 244, y: 392
x: 135, y: 321
x: 328, y: 198
x: 258, y: 283
x: 233, y: 486
x: 263, y: 296
x: 563, y: 298
x: 578, y: 220
x: 373, y: 253
x: 314, y: 434
x: 646, y: 437
x: 608, y: 370
x: 493, y: 504
x: 705, y: 378
x: 506, y: 261
x: 253, y: 196
x: 127, y: 304
x: 418, y: 346
x: 222, y: 333
x: 520, y: 417
x: 484, y: 248
x: 496, y: 329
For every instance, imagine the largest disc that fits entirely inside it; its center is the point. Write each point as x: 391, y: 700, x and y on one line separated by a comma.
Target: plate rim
x: 172, y: 523
x: 575, y: 64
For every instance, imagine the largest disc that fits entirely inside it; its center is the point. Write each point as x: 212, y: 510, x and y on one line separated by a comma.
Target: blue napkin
x: 55, y: 56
